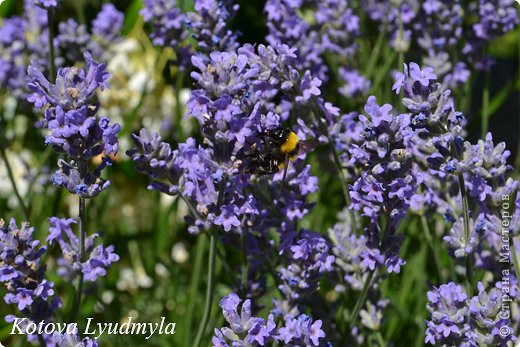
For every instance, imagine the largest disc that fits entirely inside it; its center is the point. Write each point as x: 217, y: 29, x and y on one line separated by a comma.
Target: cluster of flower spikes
x: 22, y: 273
x: 436, y: 26
x: 97, y: 260
x: 333, y: 31
x: 457, y: 320
x: 208, y: 25
x: 437, y: 127
x: 439, y: 28
x: 397, y: 17
x: 73, y: 38
x: 237, y: 93
x: 489, y: 187
x: 352, y: 253
x: 309, y: 258
x: 22, y: 39
x: 234, y: 106
x: 248, y: 330
x: 439, y: 145
x: 167, y: 20
x: 495, y: 18
x: 356, y: 259
x: 243, y: 92
x: 439, y: 138
x: 74, y: 128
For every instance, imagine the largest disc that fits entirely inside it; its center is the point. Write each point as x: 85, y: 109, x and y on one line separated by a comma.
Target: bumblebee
x: 273, y: 153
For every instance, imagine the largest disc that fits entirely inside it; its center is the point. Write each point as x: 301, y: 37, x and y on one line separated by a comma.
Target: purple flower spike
x: 74, y: 128
x: 23, y: 273
x: 99, y: 258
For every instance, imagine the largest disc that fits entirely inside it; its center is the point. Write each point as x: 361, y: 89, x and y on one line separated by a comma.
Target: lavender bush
x: 282, y: 173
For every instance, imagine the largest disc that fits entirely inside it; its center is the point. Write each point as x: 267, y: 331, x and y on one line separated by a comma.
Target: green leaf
x: 6, y: 8
x: 132, y: 16
x: 499, y: 98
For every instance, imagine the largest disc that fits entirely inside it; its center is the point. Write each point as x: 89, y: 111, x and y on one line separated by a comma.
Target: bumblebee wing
x: 307, y: 146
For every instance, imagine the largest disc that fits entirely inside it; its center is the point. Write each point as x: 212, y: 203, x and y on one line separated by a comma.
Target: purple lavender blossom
x: 106, y: 32
x: 355, y: 84
x: 67, y: 340
x: 108, y: 22
x: 334, y: 31
x: 72, y: 39
x: 47, y: 4
x: 23, y: 273
x: 448, y: 309
x: 247, y: 330
x: 457, y: 240
x: 396, y: 17
x: 389, y: 181
x: 209, y: 25
x: 167, y: 21
x: 372, y: 317
x: 97, y: 258
x: 238, y: 91
x: 301, y: 331
x: 199, y: 174
x: 74, y: 128
x: 309, y: 260
x: 457, y: 320
x: 487, y: 317
x: 496, y: 17
x: 350, y: 251
x: 74, y: 86
x: 23, y: 39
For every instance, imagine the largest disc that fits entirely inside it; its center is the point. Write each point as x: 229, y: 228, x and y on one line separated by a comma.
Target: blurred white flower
x: 180, y: 253
x: 131, y: 280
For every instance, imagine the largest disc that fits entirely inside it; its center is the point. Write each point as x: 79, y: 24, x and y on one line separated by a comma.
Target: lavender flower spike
x: 75, y: 130
x: 23, y: 273
x: 99, y: 258
x: 73, y: 86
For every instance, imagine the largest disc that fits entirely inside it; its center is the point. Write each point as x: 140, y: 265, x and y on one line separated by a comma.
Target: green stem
x: 194, y: 286
x: 429, y: 239
x: 380, y: 339
x: 178, y: 105
x: 383, y: 73
x: 211, y: 271
x: 52, y: 64
x: 344, y: 184
x: 209, y: 289
x: 13, y: 182
x: 485, y: 107
x: 82, y: 236
x: 361, y: 300
x: 469, y: 260
x: 245, y: 268
x: 376, y: 51
x: 79, y: 6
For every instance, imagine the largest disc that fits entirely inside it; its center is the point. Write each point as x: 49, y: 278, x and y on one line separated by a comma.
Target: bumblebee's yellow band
x: 290, y: 144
